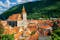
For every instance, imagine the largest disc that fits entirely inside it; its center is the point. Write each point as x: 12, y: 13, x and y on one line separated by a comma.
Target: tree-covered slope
x: 35, y: 10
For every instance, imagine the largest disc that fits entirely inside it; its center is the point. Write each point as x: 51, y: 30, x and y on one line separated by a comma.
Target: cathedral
x: 19, y: 19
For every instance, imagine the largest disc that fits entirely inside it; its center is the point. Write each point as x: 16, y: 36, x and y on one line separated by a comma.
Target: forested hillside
x: 36, y: 10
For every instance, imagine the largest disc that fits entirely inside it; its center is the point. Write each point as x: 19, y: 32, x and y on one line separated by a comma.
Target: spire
x: 23, y: 10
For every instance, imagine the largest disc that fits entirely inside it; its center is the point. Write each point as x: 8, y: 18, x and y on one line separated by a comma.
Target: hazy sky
x: 6, y: 4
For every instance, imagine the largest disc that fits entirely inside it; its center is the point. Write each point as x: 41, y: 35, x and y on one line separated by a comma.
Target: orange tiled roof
x: 45, y: 27
x: 32, y: 27
x: 14, y: 16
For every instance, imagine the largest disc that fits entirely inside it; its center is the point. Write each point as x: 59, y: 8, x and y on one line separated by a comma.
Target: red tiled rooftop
x: 45, y: 27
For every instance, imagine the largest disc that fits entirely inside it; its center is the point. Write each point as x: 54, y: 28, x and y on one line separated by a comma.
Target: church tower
x: 23, y: 22
x: 24, y: 15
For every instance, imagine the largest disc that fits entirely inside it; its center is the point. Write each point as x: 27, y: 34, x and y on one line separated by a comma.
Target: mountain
x: 36, y: 10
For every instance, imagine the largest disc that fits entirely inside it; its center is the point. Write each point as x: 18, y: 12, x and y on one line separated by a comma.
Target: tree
x: 8, y: 37
x: 56, y: 34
